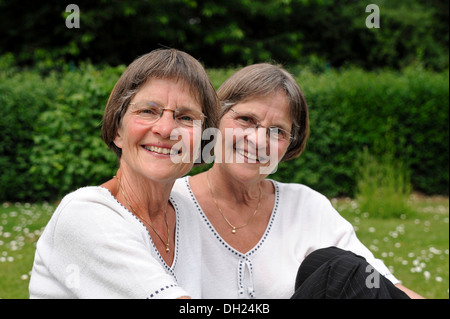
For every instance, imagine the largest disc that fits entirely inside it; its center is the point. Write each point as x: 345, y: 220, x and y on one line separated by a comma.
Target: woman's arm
x: 411, y: 294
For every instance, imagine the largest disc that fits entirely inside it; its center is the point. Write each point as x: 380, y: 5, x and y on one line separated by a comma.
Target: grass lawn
x: 416, y: 248
x: 21, y: 224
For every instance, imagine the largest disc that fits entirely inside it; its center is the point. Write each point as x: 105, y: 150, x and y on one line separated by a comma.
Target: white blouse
x: 302, y: 221
x: 93, y: 247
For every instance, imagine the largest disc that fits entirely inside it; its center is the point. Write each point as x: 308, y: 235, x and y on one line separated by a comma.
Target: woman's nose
x: 166, y: 124
x: 259, y: 136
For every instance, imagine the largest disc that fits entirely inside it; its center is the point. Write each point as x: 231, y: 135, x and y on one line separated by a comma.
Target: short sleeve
x: 97, y: 253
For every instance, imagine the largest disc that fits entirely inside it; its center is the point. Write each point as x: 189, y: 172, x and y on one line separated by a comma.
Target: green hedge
x: 353, y: 109
x: 68, y: 151
x: 232, y: 32
x: 51, y: 128
x: 51, y: 132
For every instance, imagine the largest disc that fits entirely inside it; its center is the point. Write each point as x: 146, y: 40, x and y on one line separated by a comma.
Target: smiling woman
x: 123, y: 239
x: 266, y: 239
x: 145, y: 143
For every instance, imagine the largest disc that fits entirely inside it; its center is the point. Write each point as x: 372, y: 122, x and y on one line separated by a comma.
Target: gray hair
x: 264, y: 79
x: 168, y: 64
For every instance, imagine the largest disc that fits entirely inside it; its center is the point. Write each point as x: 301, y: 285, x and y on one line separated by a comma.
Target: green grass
x: 383, y: 184
x: 20, y: 228
x: 416, y: 249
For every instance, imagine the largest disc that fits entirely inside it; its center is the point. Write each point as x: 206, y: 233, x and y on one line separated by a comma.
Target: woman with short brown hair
x: 256, y: 232
x: 129, y: 237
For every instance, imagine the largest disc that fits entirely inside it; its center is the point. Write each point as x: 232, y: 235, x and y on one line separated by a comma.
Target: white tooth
x: 248, y: 155
x: 159, y: 150
x: 251, y: 156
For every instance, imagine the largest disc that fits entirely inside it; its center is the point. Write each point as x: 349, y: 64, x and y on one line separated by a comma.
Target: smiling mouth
x: 162, y: 150
x: 250, y: 156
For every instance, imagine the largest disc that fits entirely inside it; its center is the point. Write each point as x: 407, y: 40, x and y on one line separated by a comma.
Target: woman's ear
x: 118, y: 141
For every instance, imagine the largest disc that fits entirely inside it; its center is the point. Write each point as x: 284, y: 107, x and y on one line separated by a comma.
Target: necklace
x: 233, y: 228
x: 150, y: 225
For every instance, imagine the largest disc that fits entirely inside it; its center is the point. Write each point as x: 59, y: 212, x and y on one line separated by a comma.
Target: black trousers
x: 333, y: 273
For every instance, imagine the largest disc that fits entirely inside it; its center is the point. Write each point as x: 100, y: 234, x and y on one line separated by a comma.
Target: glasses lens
x: 244, y: 120
x: 188, y: 117
x: 152, y: 112
x: 148, y: 111
x: 279, y: 133
x: 247, y: 121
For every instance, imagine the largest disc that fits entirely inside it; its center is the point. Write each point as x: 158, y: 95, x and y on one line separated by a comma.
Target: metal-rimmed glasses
x: 273, y: 132
x: 151, y: 112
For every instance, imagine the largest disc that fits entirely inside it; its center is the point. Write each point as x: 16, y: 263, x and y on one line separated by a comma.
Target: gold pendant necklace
x: 233, y: 228
x: 143, y: 220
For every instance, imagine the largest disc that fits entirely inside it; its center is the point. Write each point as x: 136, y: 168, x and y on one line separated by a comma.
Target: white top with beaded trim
x: 93, y: 247
x: 302, y: 221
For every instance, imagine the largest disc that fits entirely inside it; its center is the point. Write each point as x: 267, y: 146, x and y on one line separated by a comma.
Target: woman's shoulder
x: 86, y: 205
x: 302, y: 204
x: 89, y: 192
x: 299, y: 191
x: 183, y: 199
x: 181, y: 185
x: 183, y: 192
x: 88, y: 196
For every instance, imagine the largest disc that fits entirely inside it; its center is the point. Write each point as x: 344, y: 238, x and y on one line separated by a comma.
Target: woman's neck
x: 231, y: 188
x: 141, y: 195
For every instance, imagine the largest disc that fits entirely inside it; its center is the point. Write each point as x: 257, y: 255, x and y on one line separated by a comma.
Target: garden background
x: 378, y: 99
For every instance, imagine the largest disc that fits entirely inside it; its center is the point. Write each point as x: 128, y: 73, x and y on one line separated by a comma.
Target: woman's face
x: 147, y: 148
x: 250, y: 153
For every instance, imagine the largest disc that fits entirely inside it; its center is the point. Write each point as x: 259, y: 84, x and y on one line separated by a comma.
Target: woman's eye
x: 185, y: 118
x: 246, y: 119
x: 277, y: 132
x: 149, y: 111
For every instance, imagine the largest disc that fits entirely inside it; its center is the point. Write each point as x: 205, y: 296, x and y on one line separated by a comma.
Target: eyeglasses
x: 151, y: 112
x: 273, y: 132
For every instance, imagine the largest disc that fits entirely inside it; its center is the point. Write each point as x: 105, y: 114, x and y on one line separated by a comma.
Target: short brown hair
x: 263, y: 79
x: 159, y: 64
